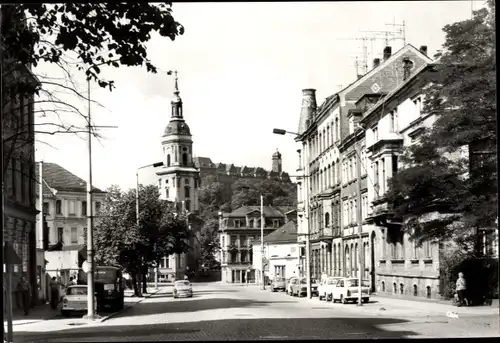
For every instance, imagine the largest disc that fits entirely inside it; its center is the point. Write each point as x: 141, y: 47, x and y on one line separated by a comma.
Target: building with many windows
x: 328, y: 199
x: 65, y: 210
x: 239, y: 231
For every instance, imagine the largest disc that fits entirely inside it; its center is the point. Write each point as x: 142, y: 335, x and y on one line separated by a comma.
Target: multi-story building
x: 328, y: 193
x: 178, y: 181
x: 281, y: 250
x: 65, y: 209
x: 238, y: 231
x: 18, y: 140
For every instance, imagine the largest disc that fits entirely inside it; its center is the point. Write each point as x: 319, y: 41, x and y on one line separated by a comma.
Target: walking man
x: 54, y: 293
x: 461, y: 289
x: 24, y: 289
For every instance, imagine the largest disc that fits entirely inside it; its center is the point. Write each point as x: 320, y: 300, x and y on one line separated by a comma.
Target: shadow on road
x: 193, y: 305
x: 233, y: 329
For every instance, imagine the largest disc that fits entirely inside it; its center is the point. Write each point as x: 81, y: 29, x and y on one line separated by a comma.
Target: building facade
x: 65, y: 209
x: 178, y: 181
x: 239, y: 231
x: 328, y: 194
x: 18, y: 137
x: 282, y: 253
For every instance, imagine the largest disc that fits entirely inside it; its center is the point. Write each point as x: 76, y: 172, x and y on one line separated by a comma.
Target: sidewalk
x: 36, y: 314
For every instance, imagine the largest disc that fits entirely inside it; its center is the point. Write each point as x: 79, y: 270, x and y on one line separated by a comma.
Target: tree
x: 81, y: 36
x: 120, y: 241
x: 439, y: 179
x: 275, y: 192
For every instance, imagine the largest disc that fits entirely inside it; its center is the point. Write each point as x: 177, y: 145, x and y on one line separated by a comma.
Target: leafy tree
x: 275, y: 192
x: 439, y: 179
x: 120, y: 241
x: 83, y: 37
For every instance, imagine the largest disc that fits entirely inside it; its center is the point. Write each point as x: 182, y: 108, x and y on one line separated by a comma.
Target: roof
x: 244, y: 210
x: 286, y: 233
x: 397, y: 89
x: 60, y: 179
x: 204, y: 162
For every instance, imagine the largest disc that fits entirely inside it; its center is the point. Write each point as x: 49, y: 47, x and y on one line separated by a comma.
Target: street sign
x: 85, y: 266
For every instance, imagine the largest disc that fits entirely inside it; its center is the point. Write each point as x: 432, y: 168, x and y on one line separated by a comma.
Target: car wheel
x: 343, y: 300
x: 365, y: 300
x: 329, y: 297
x: 65, y: 313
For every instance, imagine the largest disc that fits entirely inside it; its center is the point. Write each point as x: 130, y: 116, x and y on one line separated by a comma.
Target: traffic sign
x: 85, y: 266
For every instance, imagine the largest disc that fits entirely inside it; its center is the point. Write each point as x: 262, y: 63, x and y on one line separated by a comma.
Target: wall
x: 57, y: 260
x: 286, y: 255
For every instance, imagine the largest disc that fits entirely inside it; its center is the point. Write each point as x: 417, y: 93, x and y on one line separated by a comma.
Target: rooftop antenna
x: 401, y: 32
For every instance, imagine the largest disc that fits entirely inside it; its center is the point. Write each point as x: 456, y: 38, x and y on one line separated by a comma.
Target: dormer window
x: 393, y: 120
x: 276, y: 223
x: 250, y: 223
x: 375, y: 134
x: 237, y: 223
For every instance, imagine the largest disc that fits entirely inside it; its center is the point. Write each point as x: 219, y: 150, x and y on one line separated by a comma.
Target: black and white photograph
x: 249, y: 171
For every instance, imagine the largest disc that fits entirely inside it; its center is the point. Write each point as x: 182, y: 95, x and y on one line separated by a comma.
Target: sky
x: 242, y: 68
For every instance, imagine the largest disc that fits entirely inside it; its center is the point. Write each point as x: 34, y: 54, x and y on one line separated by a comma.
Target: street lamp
x: 306, y: 205
x: 154, y: 165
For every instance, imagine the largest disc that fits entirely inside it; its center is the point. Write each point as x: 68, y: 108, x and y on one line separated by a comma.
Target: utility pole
x: 262, y: 239
x: 40, y: 191
x: 360, y: 219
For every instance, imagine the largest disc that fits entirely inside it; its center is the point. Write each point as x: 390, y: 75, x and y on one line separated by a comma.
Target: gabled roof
x: 60, y: 179
x: 268, y: 211
x: 203, y: 162
x: 285, y: 234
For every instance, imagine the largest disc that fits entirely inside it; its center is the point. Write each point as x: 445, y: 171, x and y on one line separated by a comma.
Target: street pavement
x: 229, y: 312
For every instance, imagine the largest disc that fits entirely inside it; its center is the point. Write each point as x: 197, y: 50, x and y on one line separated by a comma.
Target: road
x: 233, y: 312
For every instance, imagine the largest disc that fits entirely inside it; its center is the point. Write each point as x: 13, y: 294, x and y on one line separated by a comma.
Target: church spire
x: 176, y: 99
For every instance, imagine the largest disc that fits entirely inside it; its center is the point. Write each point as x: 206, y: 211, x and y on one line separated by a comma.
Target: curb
x: 111, y: 315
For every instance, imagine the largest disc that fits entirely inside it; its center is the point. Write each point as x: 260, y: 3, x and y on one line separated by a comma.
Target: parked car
x: 278, y: 283
x: 183, y: 288
x: 347, y: 290
x: 325, y: 289
x: 75, y: 300
x: 299, y: 288
x: 289, y: 284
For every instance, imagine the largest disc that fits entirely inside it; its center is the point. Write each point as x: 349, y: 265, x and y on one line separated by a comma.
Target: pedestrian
x: 24, y: 289
x: 185, y: 277
x: 54, y: 293
x: 461, y: 287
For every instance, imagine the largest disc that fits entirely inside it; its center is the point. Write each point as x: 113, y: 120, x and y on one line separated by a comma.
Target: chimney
x: 387, y: 52
x: 423, y: 49
x: 376, y: 62
x: 308, y: 108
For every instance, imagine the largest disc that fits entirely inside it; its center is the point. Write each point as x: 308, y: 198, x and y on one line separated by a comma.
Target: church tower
x: 277, y: 167
x: 178, y: 178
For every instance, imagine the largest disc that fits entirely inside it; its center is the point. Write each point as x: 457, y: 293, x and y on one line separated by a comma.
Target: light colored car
x: 289, y: 283
x: 325, y: 289
x: 183, y: 288
x: 278, y: 283
x: 347, y: 289
x: 75, y: 300
x: 299, y: 288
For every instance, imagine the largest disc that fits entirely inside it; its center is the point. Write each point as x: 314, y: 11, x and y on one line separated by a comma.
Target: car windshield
x: 279, y: 279
x: 182, y: 283
x: 76, y: 291
x: 330, y: 281
x: 355, y: 283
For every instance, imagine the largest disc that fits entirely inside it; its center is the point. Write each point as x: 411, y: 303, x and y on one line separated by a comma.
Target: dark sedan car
x: 277, y: 284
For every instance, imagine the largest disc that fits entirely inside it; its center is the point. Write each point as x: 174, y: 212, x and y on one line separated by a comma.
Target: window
x: 244, y: 256
x: 186, y: 181
x: 276, y: 223
x: 58, y: 207
x: 394, y: 165
x: 60, y: 232
x: 375, y: 134
x: 351, y: 125
x: 418, y: 106
x: 159, y: 183
x: 236, y: 223
x: 167, y: 194
x: 168, y: 160
x: 223, y: 241
x: 178, y: 260
x: 84, y: 208
x: 355, y: 210
x: 401, y: 288
x: 327, y: 219
x: 354, y: 168
x: 384, y: 181
x: 97, y: 207
x: 74, y: 235
x: 383, y: 286
x: 428, y: 292
x: 71, y: 207
x: 186, y: 192
x: 415, y: 290
x: 188, y: 205
x: 45, y: 208
x: 427, y: 249
x: 184, y: 159
x: 392, y: 121
x: 394, y: 288
x: 250, y: 223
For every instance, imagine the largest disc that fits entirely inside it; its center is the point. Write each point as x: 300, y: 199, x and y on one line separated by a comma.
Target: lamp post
x: 154, y: 165
x: 306, y: 214
x: 262, y: 239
